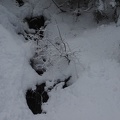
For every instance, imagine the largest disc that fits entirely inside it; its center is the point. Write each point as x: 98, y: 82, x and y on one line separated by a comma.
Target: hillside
x: 80, y: 77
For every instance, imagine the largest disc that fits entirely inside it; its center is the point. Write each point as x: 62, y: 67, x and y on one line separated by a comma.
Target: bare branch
x: 58, y: 6
x: 60, y: 35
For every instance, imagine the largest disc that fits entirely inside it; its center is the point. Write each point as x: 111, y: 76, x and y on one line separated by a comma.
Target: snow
x: 95, y: 50
x: 95, y: 95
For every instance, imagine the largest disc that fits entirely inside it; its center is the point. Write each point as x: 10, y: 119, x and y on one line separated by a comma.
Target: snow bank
x: 16, y: 76
x: 95, y: 95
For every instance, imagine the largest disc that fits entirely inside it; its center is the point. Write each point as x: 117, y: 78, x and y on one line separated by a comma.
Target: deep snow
x: 95, y: 95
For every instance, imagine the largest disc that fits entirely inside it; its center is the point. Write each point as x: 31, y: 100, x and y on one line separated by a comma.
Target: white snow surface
x: 95, y: 95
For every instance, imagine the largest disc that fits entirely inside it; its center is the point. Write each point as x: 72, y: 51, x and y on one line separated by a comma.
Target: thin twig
x: 63, y: 3
x: 66, y: 55
x: 60, y: 35
x: 58, y: 6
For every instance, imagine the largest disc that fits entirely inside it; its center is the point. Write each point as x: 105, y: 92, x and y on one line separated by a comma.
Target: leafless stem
x: 60, y: 35
x: 58, y: 6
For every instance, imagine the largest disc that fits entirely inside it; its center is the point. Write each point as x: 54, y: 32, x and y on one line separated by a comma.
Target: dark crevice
x: 20, y: 2
x: 35, y: 98
x: 61, y: 81
x: 36, y: 22
x: 66, y: 82
x: 39, y: 70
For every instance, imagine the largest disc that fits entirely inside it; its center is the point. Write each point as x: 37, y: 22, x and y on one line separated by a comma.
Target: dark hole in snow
x: 39, y: 70
x: 20, y: 2
x: 61, y: 81
x: 66, y: 82
x: 35, y: 98
x: 36, y: 22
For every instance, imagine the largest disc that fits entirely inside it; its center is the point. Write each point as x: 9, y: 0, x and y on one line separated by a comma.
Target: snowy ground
x: 95, y: 95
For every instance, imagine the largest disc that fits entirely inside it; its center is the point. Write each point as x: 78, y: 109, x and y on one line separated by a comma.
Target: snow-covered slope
x: 95, y: 95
